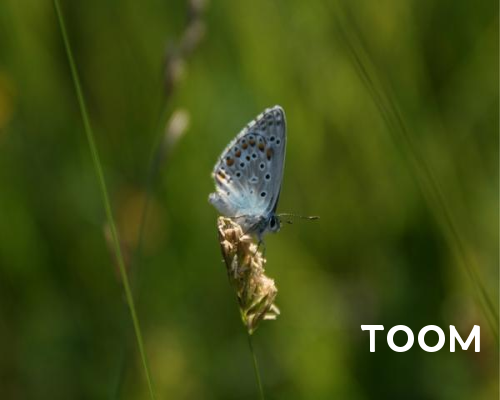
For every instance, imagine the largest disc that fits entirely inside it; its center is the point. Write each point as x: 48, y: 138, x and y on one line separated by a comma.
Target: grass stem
x: 419, y: 167
x: 255, y: 366
x: 105, y: 197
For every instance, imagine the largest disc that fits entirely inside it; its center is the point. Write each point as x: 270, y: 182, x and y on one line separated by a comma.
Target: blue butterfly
x: 249, y: 173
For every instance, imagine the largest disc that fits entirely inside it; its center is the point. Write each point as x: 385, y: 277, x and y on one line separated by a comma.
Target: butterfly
x: 249, y: 173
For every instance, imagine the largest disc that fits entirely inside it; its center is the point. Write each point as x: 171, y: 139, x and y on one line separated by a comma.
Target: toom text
x: 454, y: 338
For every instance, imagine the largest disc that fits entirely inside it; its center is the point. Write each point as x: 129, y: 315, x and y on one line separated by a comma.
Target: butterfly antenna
x: 311, y: 217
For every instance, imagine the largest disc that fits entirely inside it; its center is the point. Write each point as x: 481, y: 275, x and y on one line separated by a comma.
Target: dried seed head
x: 245, y: 267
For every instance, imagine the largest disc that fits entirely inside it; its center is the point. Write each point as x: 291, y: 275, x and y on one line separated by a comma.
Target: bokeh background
x: 392, y: 112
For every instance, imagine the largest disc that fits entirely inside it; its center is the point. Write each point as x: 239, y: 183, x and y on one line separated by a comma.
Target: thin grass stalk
x: 190, y: 38
x: 421, y: 171
x: 105, y: 197
x: 176, y: 55
x: 255, y: 366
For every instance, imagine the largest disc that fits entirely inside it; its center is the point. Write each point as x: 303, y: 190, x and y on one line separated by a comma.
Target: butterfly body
x: 249, y: 173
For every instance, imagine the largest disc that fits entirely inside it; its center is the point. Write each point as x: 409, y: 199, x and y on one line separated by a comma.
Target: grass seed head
x: 245, y: 268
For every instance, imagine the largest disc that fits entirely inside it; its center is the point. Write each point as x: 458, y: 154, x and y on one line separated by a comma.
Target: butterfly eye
x: 272, y: 223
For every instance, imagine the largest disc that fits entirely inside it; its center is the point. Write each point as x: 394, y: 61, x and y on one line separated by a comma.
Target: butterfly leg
x: 264, y: 247
x: 259, y: 244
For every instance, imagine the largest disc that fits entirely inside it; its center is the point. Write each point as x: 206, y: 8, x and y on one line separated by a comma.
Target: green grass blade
x: 105, y: 197
x: 419, y: 167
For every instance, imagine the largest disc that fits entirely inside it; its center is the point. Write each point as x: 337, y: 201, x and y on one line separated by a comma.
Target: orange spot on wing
x: 261, y: 146
x: 229, y: 161
x: 244, y: 146
x: 238, y: 153
x: 269, y: 153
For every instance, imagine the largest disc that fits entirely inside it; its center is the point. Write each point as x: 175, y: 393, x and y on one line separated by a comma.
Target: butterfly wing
x: 249, y: 172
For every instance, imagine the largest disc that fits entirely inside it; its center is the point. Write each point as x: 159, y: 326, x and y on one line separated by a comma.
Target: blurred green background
x: 391, y: 106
